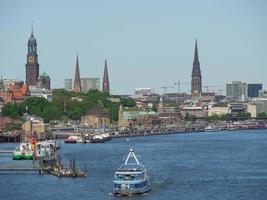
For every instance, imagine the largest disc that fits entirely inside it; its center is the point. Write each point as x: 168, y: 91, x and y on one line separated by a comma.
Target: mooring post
x: 73, y: 166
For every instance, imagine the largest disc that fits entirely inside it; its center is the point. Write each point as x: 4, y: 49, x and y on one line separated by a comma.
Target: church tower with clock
x: 32, y: 66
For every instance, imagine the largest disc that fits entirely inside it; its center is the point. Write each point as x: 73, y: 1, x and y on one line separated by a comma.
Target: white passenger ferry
x: 131, y: 177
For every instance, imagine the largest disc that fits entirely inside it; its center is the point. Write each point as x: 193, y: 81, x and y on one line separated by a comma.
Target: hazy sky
x: 147, y: 43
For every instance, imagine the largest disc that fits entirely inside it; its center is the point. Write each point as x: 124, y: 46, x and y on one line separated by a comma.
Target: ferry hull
x: 130, y: 188
x: 128, y: 192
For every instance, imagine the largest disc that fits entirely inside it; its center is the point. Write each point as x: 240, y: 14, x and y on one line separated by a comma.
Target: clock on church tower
x: 31, y: 59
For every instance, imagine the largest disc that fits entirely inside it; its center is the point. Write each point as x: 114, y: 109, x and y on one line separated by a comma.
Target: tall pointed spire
x: 77, y: 80
x: 105, y: 79
x: 196, y: 82
x: 196, y: 53
x: 32, y: 29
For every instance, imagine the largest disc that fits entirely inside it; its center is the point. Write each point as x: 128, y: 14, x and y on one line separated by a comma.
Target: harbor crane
x: 166, y: 87
x: 178, y: 83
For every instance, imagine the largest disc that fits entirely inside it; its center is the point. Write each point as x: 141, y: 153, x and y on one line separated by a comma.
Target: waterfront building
x: 217, y: 110
x: 77, y: 80
x: 137, y: 117
x: 97, y: 117
x: 68, y: 84
x: 106, y: 79
x: 164, y: 107
x: 235, y: 108
x: 32, y: 65
x: 45, y: 81
x: 253, y: 89
x: 90, y: 84
x: 256, y: 107
x: 236, y: 90
x: 195, y: 111
x: 127, y: 117
x: 196, y: 82
x: 35, y: 125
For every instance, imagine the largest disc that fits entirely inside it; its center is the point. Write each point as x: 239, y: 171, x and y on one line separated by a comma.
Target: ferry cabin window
x: 141, y: 185
x: 117, y: 186
x: 129, y: 176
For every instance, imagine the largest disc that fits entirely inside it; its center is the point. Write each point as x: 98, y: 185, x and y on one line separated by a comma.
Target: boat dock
x: 6, y: 151
x: 12, y: 167
x: 48, y: 163
x: 53, y: 167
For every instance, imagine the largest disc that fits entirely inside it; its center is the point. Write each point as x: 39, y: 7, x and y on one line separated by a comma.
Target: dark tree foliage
x: 66, y: 104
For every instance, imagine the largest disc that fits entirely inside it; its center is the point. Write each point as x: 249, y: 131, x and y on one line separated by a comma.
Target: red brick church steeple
x: 32, y: 66
x: 196, y: 83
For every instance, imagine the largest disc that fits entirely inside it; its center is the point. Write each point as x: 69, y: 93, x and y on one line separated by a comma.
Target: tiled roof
x: 98, y: 112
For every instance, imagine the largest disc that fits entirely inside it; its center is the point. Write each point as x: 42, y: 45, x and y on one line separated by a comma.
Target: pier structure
x: 49, y: 164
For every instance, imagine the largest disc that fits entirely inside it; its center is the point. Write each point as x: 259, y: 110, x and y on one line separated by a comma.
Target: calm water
x: 221, y: 165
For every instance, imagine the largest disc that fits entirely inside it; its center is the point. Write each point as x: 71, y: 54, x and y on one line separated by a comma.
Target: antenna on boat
x: 131, y: 155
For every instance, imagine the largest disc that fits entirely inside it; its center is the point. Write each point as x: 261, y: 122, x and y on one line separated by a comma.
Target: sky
x: 147, y: 43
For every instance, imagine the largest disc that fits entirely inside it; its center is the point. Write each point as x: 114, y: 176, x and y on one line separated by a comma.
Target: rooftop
x: 98, y: 111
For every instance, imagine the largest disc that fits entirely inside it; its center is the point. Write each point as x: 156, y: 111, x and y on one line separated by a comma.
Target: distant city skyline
x: 146, y: 43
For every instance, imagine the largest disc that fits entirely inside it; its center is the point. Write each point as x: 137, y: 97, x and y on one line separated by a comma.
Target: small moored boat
x: 23, y: 152
x: 131, y: 177
x: 212, y: 128
x: 45, y: 148
x: 71, y: 139
x: 98, y: 138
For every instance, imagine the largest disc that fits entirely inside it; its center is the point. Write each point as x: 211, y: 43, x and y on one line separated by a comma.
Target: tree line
x: 67, y: 105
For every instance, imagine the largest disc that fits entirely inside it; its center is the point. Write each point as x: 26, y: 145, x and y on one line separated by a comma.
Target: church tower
x: 196, y: 83
x: 32, y: 66
x: 77, y: 80
x: 105, y: 79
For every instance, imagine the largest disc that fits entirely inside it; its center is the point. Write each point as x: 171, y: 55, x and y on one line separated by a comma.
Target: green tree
x: 262, y: 115
x: 75, y: 113
x: 128, y: 102
x: 11, y: 110
x: 35, y: 105
x: 243, y: 115
x: 51, y: 113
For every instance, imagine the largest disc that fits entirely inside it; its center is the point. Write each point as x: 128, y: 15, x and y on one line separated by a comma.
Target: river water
x: 202, y: 166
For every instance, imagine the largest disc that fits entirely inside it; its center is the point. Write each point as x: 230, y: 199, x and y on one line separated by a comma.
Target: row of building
x: 243, y: 90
